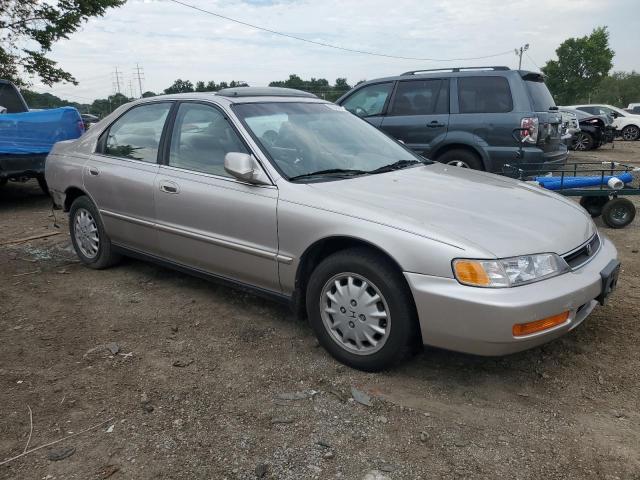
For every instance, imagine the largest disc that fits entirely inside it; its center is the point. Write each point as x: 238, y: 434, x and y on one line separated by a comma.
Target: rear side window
x: 484, y: 95
x: 136, y: 134
x: 11, y: 99
x: 540, y: 95
x: 368, y: 101
x: 421, y: 97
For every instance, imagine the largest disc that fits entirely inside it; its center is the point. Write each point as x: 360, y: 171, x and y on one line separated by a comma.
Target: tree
x: 29, y: 28
x: 148, y: 94
x: 619, y: 88
x: 582, y: 64
x: 180, y: 86
x: 200, y: 86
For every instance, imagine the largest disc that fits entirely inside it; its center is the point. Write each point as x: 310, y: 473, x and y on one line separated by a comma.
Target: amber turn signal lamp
x: 520, y: 329
x: 471, y: 273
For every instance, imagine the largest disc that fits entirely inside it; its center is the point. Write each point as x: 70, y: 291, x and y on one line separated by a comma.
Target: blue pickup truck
x: 27, y: 136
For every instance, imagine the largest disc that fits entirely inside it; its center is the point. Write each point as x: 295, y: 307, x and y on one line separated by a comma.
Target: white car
x: 627, y: 125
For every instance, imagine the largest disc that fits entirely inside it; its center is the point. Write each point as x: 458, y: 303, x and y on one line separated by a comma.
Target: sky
x: 170, y: 41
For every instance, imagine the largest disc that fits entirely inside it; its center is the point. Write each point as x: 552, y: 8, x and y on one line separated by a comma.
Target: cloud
x: 171, y: 41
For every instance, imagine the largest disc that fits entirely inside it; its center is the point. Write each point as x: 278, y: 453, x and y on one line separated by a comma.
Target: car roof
x: 498, y: 71
x: 243, y: 95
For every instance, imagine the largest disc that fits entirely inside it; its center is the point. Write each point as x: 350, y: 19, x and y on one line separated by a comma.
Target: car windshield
x: 305, y: 139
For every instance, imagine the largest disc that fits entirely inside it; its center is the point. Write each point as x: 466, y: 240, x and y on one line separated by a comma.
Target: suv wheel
x: 361, y: 310
x: 90, y: 241
x: 583, y: 142
x: 631, y: 133
x: 461, y: 158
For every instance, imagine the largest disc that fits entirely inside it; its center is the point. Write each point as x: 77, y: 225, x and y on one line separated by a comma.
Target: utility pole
x: 139, y: 74
x: 117, y: 78
x: 519, y: 52
x: 131, y: 88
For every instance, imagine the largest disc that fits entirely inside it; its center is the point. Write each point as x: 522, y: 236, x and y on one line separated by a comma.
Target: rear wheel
x: 631, y: 133
x: 461, y: 158
x: 361, y: 310
x: 583, y: 141
x: 594, y: 205
x: 618, y: 212
x: 89, y: 239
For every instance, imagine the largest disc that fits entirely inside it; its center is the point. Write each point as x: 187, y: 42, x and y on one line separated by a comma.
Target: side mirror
x: 244, y: 167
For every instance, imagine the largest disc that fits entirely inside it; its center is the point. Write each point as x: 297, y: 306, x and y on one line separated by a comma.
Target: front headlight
x: 508, y: 272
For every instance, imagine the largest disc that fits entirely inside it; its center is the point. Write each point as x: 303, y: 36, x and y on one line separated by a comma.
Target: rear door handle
x: 435, y: 124
x: 169, y: 187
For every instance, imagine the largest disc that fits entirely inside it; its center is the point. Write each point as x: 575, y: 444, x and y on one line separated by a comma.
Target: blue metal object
x: 558, y: 183
x: 35, y: 132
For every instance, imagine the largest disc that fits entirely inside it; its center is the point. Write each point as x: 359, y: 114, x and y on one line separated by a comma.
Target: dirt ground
x: 213, y: 383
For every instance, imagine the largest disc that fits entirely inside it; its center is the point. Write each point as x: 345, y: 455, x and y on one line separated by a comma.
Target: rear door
x: 370, y: 102
x: 419, y: 113
x: 120, y: 175
x: 549, y: 118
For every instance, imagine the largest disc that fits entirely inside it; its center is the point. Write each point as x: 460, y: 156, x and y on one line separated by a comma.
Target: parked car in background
x: 570, y: 126
x: 465, y: 116
x: 633, y: 108
x: 88, y: 119
x: 279, y: 191
x: 627, y: 125
x: 594, y: 130
x: 27, y: 136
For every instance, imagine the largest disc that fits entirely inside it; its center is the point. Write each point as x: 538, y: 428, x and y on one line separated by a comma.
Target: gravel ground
x: 187, y: 379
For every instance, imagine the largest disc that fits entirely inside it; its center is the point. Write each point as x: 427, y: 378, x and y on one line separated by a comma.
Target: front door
x: 419, y: 114
x: 370, y: 102
x: 120, y: 176
x: 206, y: 219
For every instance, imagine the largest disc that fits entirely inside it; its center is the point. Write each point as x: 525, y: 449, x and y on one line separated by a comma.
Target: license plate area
x: 609, y: 276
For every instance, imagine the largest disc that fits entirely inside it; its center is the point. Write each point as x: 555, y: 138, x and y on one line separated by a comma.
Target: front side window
x: 484, y: 95
x: 201, y: 138
x: 368, y: 101
x: 136, y: 134
x: 302, y: 138
x: 421, y: 97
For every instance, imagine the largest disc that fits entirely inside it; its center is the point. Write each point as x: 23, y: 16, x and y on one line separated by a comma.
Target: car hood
x: 466, y: 208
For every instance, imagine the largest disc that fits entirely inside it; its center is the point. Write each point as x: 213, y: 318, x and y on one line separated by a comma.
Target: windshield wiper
x: 331, y: 171
x: 400, y: 164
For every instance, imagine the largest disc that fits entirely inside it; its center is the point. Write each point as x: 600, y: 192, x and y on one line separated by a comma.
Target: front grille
x: 584, y: 253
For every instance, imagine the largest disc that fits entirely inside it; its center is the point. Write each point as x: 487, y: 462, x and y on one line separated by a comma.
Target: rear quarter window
x: 484, y: 95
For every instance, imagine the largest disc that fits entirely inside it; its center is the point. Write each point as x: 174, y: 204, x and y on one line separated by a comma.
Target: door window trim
x: 102, y: 138
x: 387, y: 101
x: 164, y: 154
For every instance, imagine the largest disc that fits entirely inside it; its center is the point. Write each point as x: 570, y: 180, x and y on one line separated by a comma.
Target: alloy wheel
x: 86, y: 233
x: 458, y: 163
x: 355, y: 313
x: 582, y: 142
x: 631, y: 133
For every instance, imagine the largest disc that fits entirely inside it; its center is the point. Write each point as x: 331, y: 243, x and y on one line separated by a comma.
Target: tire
x: 618, y: 212
x: 43, y: 184
x: 631, y: 133
x: 94, y: 254
x: 391, y: 322
x: 461, y: 158
x: 594, y: 205
x: 583, y: 142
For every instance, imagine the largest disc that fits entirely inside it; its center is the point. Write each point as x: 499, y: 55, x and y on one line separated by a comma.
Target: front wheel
x: 631, y: 133
x: 361, y: 310
x: 583, y: 142
x: 618, y: 212
x: 89, y: 239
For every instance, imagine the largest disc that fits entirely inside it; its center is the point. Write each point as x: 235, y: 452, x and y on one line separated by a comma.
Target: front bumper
x: 480, y: 320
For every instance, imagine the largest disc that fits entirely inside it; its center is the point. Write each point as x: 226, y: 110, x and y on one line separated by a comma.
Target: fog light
x: 521, y: 329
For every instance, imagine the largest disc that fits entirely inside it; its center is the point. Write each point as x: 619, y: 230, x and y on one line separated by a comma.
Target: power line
x: 532, y: 61
x: 329, y: 45
x: 139, y: 74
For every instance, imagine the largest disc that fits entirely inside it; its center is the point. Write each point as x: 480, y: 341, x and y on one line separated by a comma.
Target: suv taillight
x: 532, y: 126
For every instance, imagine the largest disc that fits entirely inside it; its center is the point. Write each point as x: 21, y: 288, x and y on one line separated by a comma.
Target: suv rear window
x: 484, y: 95
x: 540, y: 95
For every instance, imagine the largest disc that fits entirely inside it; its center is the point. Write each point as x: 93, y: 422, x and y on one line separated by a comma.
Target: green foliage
x: 582, y: 64
x: 148, y: 94
x: 318, y: 86
x: 29, y: 28
x: 619, y: 89
x: 180, y: 86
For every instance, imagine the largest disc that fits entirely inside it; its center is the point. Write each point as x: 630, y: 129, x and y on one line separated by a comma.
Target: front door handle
x: 169, y: 187
x: 435, y: 124
x: 94, y: 171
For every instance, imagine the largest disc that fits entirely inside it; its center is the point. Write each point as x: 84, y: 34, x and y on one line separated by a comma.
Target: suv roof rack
x: 455, y: 69
x: 263, y: 92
